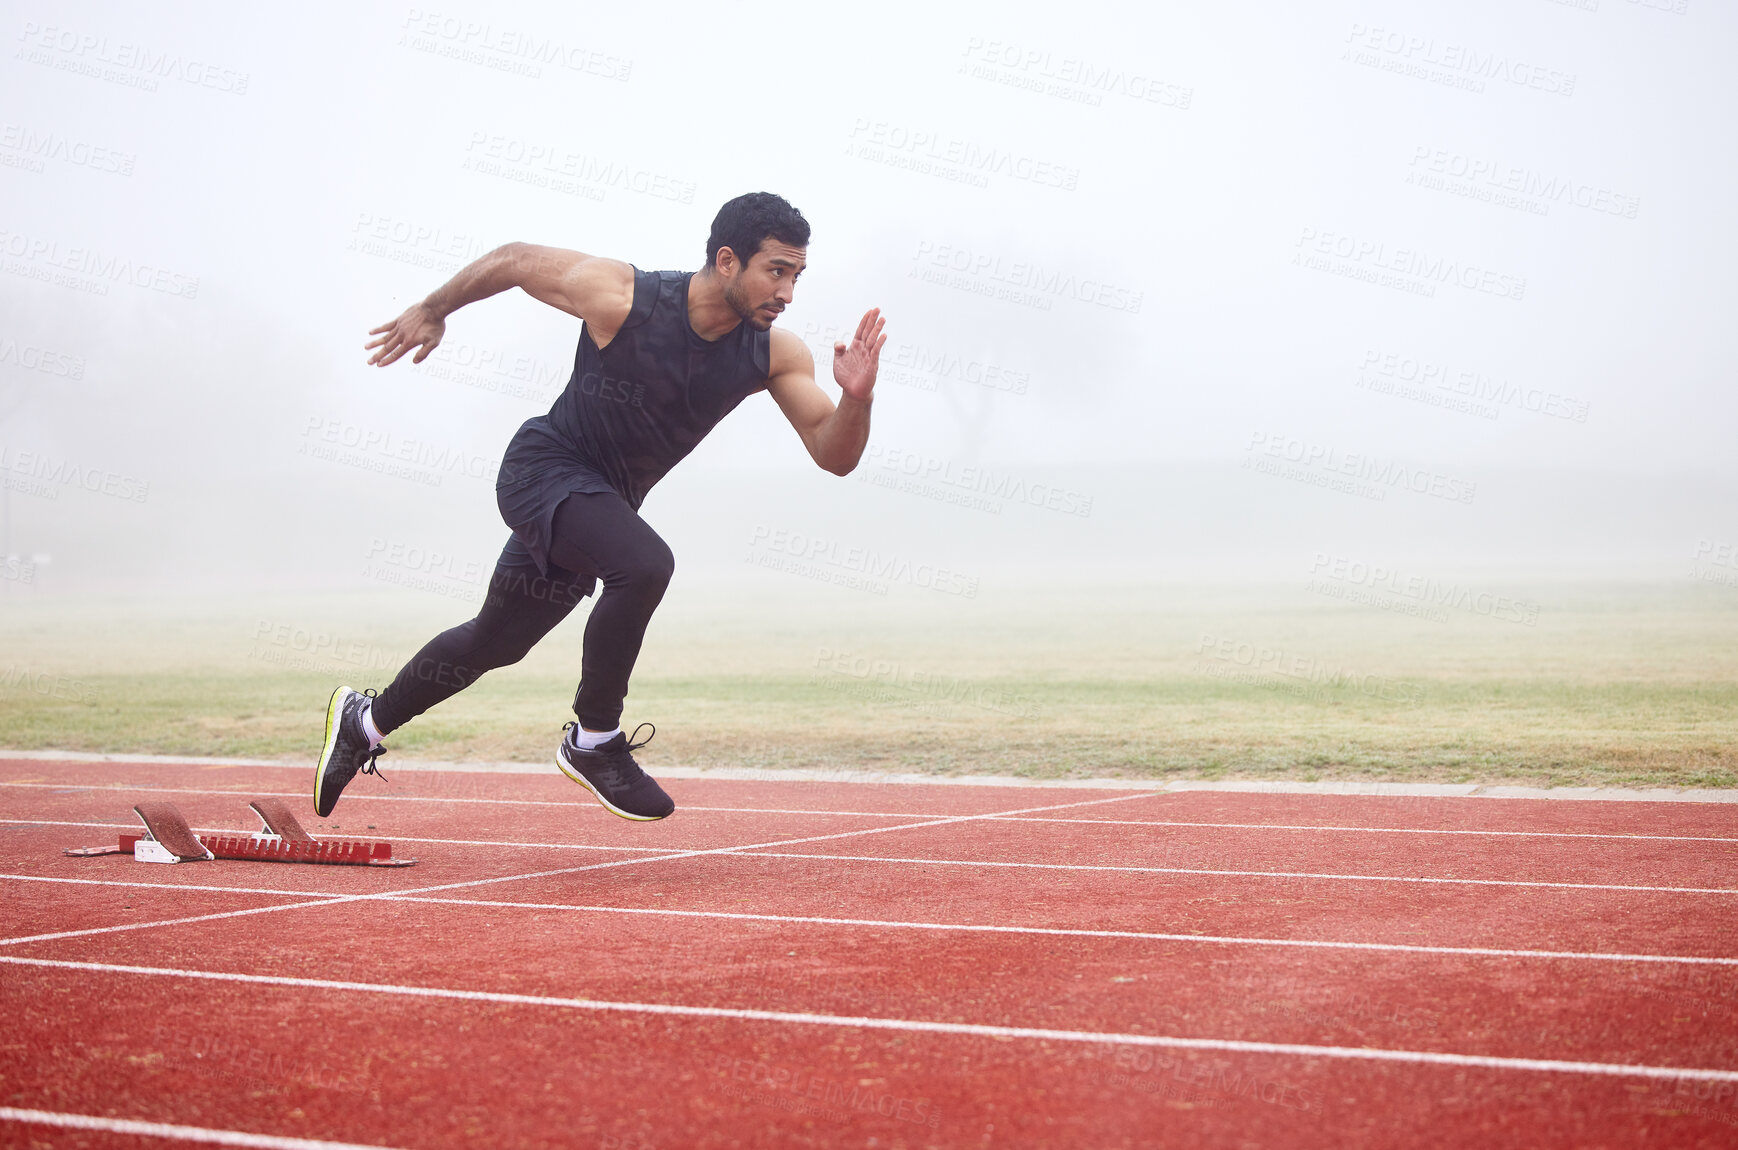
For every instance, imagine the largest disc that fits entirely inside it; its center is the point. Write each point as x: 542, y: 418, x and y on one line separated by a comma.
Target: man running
x: 663, y: 356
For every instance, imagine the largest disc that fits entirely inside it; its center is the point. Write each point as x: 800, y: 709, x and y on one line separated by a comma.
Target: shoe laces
x: 371, y: 767
x: 619, y: 764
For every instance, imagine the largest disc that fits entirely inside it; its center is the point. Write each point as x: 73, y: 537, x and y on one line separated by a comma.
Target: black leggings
x: 595, y: 535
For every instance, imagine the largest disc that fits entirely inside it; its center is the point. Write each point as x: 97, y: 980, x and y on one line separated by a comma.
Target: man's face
x: 762, y: 288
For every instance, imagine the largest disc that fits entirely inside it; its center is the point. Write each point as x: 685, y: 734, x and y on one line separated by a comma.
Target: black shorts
x: 538, y: 471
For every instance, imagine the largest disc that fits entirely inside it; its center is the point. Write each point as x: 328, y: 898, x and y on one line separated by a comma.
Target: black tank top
x: 631, y: 412
x: 635, y: 408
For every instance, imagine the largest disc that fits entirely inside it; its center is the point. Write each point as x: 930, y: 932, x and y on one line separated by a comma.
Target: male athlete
x: 663, y: 356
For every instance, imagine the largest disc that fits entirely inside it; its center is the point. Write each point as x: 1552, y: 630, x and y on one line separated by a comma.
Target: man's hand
x: 854, y: 367
x: 417, y: 327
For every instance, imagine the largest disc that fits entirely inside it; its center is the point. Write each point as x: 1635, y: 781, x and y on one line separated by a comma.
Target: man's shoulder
x: 789, y: 354
x: 604, y: 288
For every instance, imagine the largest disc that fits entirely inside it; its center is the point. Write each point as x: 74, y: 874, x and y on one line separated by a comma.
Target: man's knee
x: 650, y: 571
x: 508, y: 652
x: 487, y: 643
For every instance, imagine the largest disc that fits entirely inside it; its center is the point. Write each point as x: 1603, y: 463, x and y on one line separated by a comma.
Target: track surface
x: 833, y: 964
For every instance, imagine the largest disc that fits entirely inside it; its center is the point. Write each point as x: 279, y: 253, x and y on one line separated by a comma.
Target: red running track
x: 832, y: 964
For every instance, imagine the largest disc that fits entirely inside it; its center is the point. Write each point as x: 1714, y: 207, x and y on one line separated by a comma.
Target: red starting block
x: 168, y: 839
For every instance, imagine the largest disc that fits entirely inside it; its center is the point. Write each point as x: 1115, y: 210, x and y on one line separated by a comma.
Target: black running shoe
x: 610, y: 773
x: 346, y: 750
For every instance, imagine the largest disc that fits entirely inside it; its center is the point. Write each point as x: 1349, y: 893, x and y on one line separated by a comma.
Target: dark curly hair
x: 743, y: 223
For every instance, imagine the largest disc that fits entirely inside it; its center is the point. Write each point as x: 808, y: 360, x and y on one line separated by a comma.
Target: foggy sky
x: 1172, y: 290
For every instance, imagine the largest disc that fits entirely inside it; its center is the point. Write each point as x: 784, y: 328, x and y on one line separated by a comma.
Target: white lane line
x: 395, y: 838
x: 913, y: 815
x: 986, y: 818
x: 541, y: 846
x: 586, y: 804
x: 801, y: 811
x: 847, y: 776
x: 1067, y: 932
x: 171, y: 921
x: 1427, y: 1057
x: 164, y: 1130
x: 252, y: 794
x: 1372, y: 830
x: 1152, y: 936
x: 369, y: 797
x: 752, y: 852
x: 170, y: 885
x: 560, y: 871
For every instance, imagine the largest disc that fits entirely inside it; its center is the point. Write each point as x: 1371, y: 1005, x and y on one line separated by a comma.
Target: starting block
x: 168, y: 839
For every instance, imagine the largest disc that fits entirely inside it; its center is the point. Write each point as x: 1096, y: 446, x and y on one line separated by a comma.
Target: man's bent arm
x: 483, y: 277
x: 576, y: 283
x: 842, y: 436
x: 597, y: 290
x: 835, y: 435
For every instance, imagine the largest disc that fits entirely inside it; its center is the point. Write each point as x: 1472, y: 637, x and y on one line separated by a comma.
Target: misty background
x: 1220, y: 292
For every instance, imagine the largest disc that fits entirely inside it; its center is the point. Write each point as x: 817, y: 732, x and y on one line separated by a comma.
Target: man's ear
x: 725, y: 262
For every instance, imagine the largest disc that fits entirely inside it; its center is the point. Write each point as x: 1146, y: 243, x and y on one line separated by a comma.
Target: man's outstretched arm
x: 597, y: 290
x: 834, y: 434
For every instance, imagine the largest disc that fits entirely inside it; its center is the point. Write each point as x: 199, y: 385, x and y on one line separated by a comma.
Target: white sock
x: 591, y: 740
x: 375, y: 738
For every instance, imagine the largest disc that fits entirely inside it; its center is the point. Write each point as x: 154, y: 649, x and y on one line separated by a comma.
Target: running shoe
x: 346, y: 750
x: 610, y: 774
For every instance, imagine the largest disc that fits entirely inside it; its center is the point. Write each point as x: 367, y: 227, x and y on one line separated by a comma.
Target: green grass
x: 1624, y: 686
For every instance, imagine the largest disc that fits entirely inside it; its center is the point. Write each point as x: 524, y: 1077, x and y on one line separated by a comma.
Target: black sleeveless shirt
x: 632, y: 410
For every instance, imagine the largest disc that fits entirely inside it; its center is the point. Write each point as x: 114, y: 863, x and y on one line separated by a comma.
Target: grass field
x: 1631, y: 685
